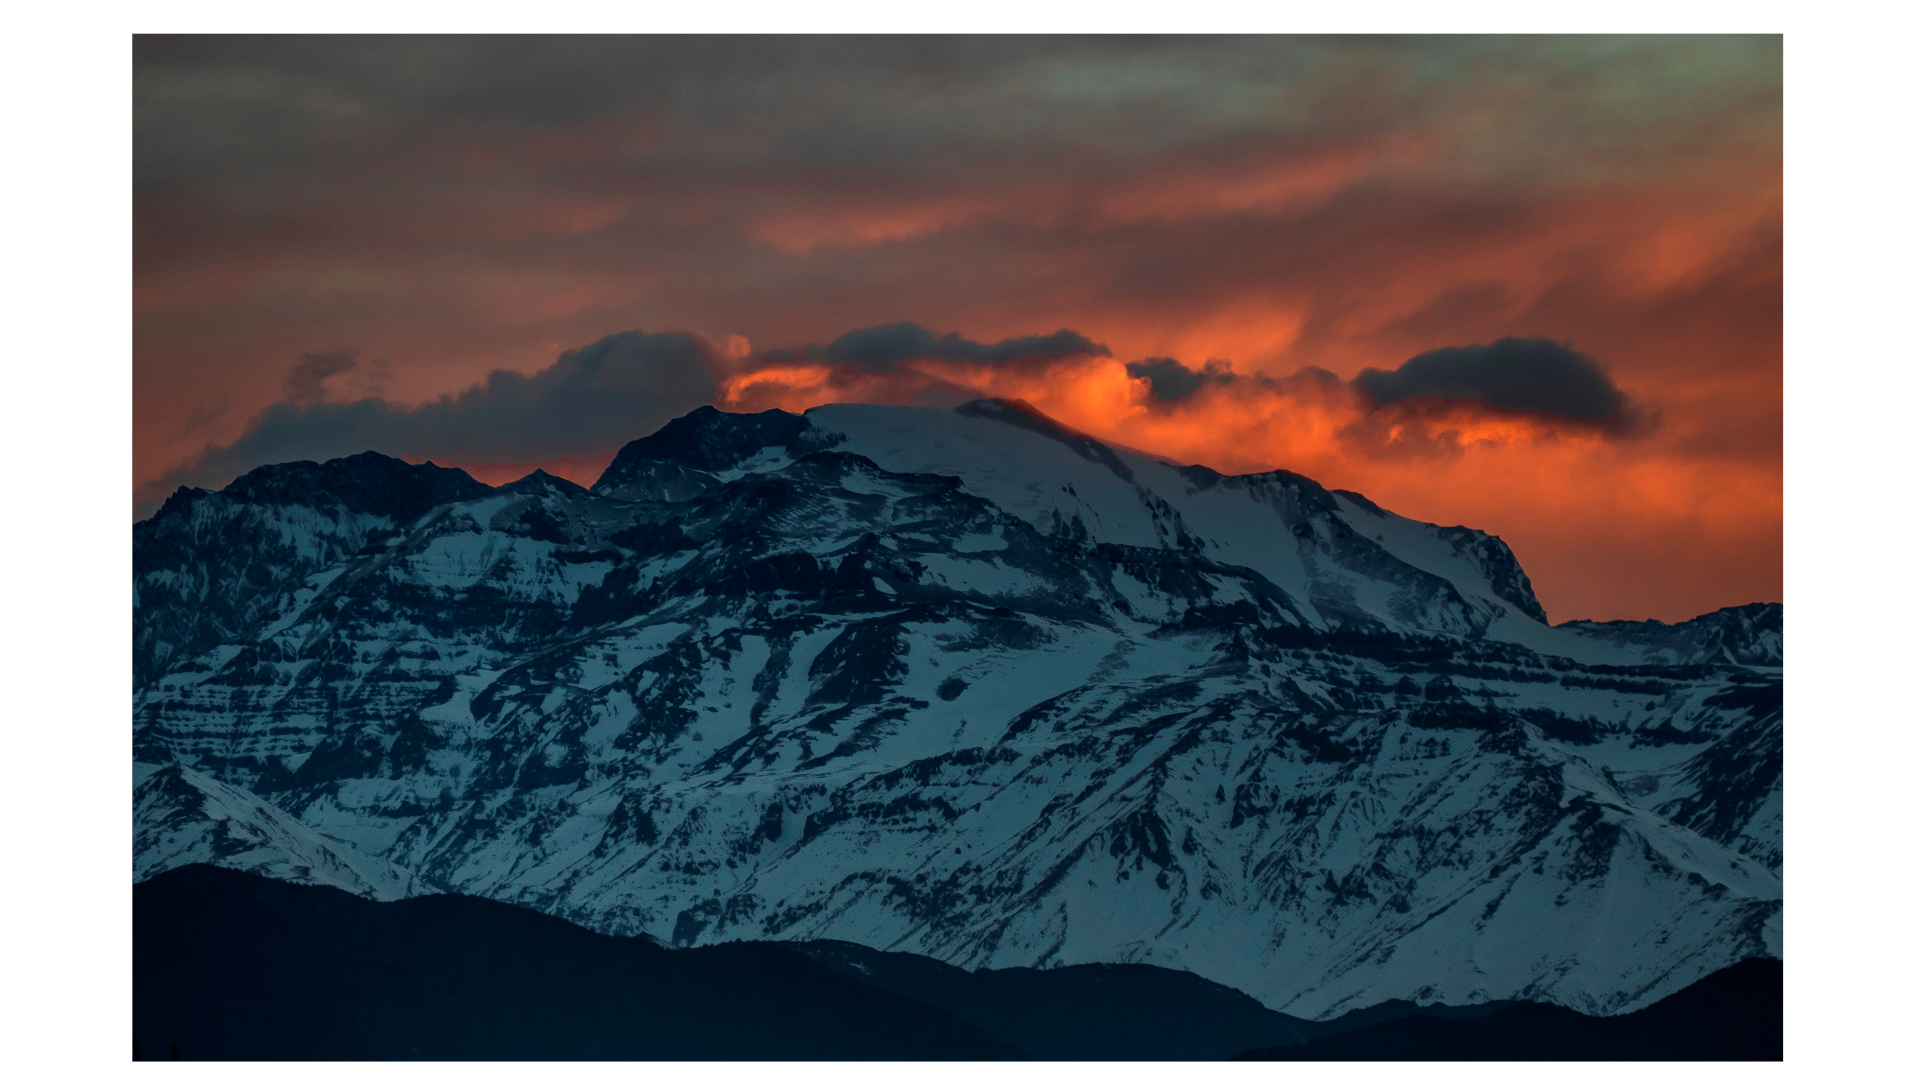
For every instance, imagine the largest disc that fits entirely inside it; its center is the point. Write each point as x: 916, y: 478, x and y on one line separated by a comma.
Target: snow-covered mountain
x: 182, y: 817
x: 967, y: 684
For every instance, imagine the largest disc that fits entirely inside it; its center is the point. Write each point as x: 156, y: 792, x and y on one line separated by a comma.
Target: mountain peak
x: 689, y: 454
x: 367, y: 483
x: 1022, y: 415
x: 540, y: 481
x: 708, y: 438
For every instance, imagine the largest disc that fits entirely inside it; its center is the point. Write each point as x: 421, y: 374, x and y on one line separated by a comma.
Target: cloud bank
x: 884, y: 348
x: 588, y: 401
x: 1437, y: 403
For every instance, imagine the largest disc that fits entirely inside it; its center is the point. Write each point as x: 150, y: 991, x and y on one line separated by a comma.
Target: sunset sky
x: 1531, y: 285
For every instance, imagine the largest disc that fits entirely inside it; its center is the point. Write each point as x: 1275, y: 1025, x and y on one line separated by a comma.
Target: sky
x: 1530, y: 285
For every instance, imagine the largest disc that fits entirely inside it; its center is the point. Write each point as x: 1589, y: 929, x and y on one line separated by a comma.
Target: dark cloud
x: 1532, y: 375
x: 882, y: 348
x: 588, y: 401
x: 220, y: 108
x: 307, y: 379
x: 1173, y: 380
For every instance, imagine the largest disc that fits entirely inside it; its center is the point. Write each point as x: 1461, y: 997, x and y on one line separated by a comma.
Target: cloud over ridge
x: 618, y: 388
x: 1171, y: 380
x: 592, y: 400
x: 883, y: 348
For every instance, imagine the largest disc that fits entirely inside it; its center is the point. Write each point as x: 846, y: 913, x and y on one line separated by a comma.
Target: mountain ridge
x: 456, y: 977
x: 936, y: 681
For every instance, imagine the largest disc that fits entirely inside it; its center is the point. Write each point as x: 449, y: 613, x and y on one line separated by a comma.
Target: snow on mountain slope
x: 1749, y: 634
x: 272, y: 527
x: 1289, y: 529
x: 182, y: 817
x: 955, y: 683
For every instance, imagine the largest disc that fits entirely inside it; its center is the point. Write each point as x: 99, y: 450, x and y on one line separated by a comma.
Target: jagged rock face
x: 1749, y: 634
x: 210, y: 569
x: 970, y: 685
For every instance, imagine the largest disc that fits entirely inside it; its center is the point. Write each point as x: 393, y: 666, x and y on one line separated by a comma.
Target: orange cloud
x: 1298, y: 209
x: 1609, y: 527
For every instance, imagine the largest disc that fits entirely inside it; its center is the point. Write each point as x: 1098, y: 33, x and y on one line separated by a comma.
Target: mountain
x: 182, y: 817
x: 204, y: 564
x: 1736, y: 1014
x: 968, y: 685
x: 1083, y: 1012
x: 229, y: 966
x: 1750, y: 634
x: 461, y: 977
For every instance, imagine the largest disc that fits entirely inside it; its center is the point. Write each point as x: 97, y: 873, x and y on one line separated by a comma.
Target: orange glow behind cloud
x: 1562, y: 494
x: 1297, y: 209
